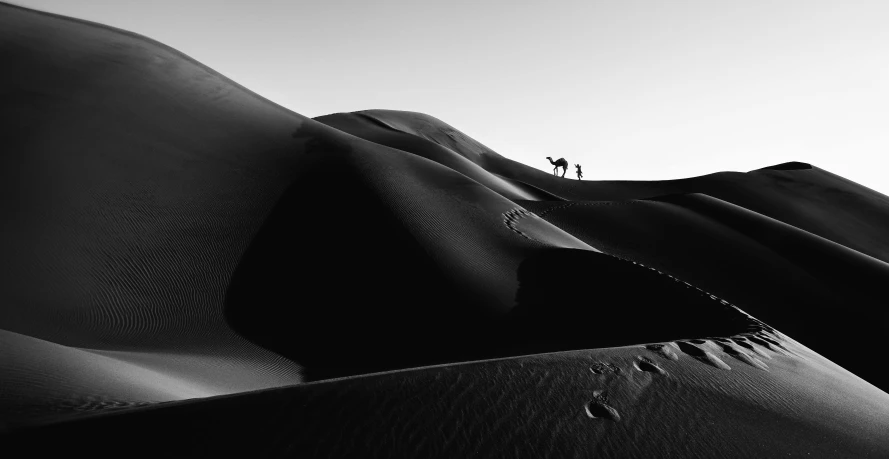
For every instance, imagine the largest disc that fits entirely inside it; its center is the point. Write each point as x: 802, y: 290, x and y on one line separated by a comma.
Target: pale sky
x: 632, y: 90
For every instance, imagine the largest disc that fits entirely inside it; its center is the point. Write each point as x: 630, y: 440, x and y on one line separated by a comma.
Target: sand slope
x: 124, y: 226
x: 798, y: 194
x: 786, y: 258
x: 619, y: 402
x: 174, y: 236
x: 820, y: 292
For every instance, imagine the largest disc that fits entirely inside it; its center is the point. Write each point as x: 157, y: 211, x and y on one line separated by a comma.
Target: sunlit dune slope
x: 798, y: 194
x: 135, y: 178
x: 708, y: 398
x: 811, y: 199
x: 469, y: 162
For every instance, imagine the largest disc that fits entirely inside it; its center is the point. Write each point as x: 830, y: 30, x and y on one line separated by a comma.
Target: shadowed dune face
x: 420, y: 254
x: 335, y: 282
x: 175, y: 236
x: 409, y: 301
x: 135, y: 178
x: 799, y: 283
x: 591, y: 300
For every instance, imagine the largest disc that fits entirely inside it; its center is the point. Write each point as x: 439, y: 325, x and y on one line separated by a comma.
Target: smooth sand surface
x: 190, y: 270
x: 703, y: 398
x: 137, y: 178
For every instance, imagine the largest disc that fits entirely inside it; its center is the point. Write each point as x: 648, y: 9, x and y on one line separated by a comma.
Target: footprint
x: 702, y: 355
x: 512, y: 217
x: 746, y: 345
x: 773, y: 346
x: 601, y: 368
x: 771, y: 341
x: 598, y: 408
x: 646, y: 364
x: 663, y: 351
x: 742, y: 356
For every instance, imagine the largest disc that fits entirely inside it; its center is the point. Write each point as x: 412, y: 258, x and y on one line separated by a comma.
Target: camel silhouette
x: 579, y: 172
x: 559, y: 163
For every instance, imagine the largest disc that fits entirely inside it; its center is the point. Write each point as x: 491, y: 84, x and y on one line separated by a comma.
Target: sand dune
x: 605, y: 402
x: 126, y: 228
x: 195, y: 270
x: 815, y: 290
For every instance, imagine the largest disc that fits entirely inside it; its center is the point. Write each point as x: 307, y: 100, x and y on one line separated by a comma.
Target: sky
x: 632, y: 90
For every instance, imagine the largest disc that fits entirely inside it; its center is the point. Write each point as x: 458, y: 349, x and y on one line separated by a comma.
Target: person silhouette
x: 579, y: 172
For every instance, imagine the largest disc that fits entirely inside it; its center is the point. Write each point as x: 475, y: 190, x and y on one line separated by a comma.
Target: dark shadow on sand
x: 334, y: 282
x: 577, y: 299
x: 358, y: 295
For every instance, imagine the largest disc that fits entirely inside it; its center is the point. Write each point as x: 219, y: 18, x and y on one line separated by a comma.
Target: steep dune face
x: 175, y: 236
x: 137, y: 178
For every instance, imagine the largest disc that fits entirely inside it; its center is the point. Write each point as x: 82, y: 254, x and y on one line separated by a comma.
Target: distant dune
x: 189, y: 270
